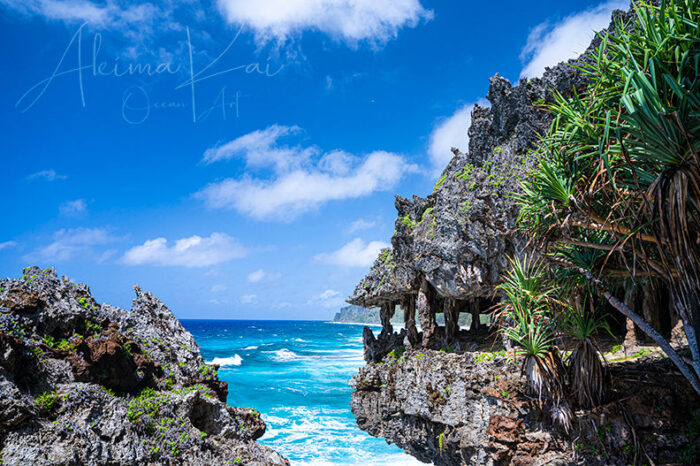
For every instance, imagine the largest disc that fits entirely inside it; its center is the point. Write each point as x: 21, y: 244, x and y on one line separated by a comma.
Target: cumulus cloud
x: 356, y: 253
x: 551, y: 43
x: 73, y: 208
x: 194, y: 251
x: 359, y: 225
x: 349, y: 20
x: 7, y: 245
x: 46, y: 175
x: 72, y: 243
x: 302, y: 179
x: 450, y: 132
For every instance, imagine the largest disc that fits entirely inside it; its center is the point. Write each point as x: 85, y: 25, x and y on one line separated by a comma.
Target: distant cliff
x: 357, y: 315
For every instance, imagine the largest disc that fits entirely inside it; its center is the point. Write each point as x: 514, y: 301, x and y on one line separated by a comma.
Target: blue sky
x: 240, y: 159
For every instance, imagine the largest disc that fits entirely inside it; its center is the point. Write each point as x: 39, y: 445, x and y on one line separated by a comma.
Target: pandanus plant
x: 585, y: 364
x: 618, y: 173
x: 526, y: 318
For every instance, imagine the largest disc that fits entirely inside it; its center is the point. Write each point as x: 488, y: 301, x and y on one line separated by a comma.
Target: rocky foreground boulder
x: 83, y: 383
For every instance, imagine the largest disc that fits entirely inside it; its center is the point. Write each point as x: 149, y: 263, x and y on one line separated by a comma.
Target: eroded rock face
x: 474, y: 409
x: 460, y: 236
x: 449, y: 252
x: 84, y: 383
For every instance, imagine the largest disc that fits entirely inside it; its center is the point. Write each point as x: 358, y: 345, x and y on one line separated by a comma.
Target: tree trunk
x: 426, y: 313
x: 409, y: 318
x: 631, y: 333
x: 689, y: 373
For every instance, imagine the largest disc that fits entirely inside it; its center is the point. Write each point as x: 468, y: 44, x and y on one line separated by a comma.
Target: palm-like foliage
x: 526, y: 319
x: 586, y: 370
x: 618, y: 179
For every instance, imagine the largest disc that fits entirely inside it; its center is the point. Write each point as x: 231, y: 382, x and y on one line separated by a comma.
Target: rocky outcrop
x: 448, y: 254
x: 473, y: 409
x: 88, y: 383
x: 450, y: 249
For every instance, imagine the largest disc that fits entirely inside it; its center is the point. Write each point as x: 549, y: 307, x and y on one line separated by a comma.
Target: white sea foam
x: 247, y: 348
x: 236, y: 360
x: 283, y: 355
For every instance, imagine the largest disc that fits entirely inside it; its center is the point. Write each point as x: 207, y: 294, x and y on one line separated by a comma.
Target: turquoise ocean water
x: 296, y: 374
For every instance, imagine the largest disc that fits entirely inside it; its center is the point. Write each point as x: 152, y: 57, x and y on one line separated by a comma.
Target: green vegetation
x: 92, y: 328
x: 481, y: 357
x: 46, y: 402
x: 465, y: 172
x: 621, y: 163
x: 440, y: 182
x: 49, y: 341
x: 406, y: 221
x: 441, y: 441
x: 208, y: 372
x: 397, y: 354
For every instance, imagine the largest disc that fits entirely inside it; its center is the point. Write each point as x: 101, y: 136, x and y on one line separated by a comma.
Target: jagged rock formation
x: 450, y: 249
x: 84, y: 383
x: 472, y: 409
x: 448, y: 254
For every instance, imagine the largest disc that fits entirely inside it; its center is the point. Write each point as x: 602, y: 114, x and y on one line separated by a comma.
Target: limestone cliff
x: 83, y: 383
x: 447, y: 255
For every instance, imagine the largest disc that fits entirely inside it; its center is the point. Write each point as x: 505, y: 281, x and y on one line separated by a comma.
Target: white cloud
x: 72, y: 208
x: 328, y: 294
x: 218, y: 288
x: 302, y: 181
x: 7, y: 245
x: 349, y: 20
x: 256, y: 276
x: 448, y: 133
x: 68, y: 244
x: 194, y: 251
x: 260, y: 275
x: 260, y: 149
x: 359, y: 225
x: 329, y: 298
x: 548, y: 44
x: 102, y: 15
x: 354, y: 254
x: 249, y: 299
x: 48, y: 175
